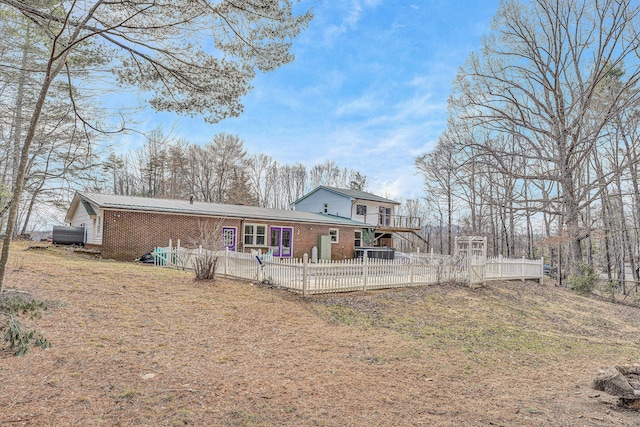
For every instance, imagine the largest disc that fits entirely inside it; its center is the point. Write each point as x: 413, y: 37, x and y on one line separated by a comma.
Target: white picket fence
x: 301, y: 275
x: 514, y: 269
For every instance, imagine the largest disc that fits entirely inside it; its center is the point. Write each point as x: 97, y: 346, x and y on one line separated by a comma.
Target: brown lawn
x: 137, y: 345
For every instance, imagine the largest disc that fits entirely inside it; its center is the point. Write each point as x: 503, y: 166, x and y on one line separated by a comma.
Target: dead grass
x: 137, y: 345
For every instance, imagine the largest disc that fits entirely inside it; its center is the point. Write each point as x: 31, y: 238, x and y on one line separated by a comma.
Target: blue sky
x: 368, y: 89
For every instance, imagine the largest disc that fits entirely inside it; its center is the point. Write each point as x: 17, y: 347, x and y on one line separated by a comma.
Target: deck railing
x: 393, y: 221
x: 307, y: 278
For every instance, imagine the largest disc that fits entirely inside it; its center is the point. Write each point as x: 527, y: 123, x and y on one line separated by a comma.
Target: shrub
x: 609, y: 289
x: 584, y: 280
x: 205, y: 265
x: 16, y: 334
x: 209, y: 245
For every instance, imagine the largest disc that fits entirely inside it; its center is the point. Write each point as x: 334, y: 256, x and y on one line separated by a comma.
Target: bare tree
x: 358, y: 181
x: 536, y: 81
x: 439, y: 169
x: 229, y: 158
x: 263, y: 176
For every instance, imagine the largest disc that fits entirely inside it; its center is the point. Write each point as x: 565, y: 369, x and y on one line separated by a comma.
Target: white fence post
x: 470, y: 259
x: 176, y: 259
x: 411, y: 264
x: 522, y: 268
x: 365, y: 270
x: 305, y: 274
x: 500, y: 266
x: 542, y: 270
x: 226, y: 261
x: 484, y: 258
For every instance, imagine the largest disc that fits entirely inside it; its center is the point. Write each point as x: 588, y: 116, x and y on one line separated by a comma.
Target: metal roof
x: 148, y: 204
x: 352, y: 194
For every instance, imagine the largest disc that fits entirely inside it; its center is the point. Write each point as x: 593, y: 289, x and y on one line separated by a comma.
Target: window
x: 361, y: 209
x: 333, y: 234
x: 255, y: 235
x: 99, y: 227
x: 358, y: 238
x: 385, y: 216
x: 325, y: 208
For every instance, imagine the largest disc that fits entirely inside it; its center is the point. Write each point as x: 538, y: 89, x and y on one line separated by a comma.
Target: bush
x: 208, y: 249
x: 205, y: 265
x: 609, y: 289
x: 17, y: 335
x: 584, y: 280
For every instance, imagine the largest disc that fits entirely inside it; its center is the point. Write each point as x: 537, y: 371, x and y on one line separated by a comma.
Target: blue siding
x: 337, y: 204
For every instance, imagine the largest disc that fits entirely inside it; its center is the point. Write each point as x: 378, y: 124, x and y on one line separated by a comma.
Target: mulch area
x: 136, y: 345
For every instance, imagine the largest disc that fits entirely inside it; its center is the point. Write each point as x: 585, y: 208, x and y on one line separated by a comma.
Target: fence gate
x: 472, y: 252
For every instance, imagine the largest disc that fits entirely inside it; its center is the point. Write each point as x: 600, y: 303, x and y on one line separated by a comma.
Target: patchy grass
x: 138, y: 345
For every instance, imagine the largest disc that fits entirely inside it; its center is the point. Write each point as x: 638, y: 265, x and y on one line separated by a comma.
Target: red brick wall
x: 128, y: 235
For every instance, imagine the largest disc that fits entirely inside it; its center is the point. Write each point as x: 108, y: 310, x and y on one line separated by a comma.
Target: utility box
x: 324, y: 247
x: 68, y: 235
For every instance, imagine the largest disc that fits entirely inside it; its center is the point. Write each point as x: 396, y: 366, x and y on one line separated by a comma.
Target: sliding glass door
x: 282, y: 241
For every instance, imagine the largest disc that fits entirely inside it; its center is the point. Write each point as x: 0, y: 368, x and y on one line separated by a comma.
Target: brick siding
x: 130, y: 234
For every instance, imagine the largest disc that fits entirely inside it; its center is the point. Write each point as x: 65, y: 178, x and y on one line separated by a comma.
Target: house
x: 377, y: 212
x: 125, y: 227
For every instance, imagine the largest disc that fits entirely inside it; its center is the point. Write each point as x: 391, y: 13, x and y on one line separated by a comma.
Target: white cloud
x: 367, y: 103
x: 351, y: 18
x: 399, y: 184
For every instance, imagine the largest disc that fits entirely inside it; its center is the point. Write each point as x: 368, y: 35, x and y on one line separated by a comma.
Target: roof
x: 352, y: 194
x: 173, y: 206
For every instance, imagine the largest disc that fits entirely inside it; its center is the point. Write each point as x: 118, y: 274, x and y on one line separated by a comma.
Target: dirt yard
x: 136, y: 345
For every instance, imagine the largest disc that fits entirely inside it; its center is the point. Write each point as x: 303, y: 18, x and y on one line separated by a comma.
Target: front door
x: 282, y: 241
x: 229, y: 238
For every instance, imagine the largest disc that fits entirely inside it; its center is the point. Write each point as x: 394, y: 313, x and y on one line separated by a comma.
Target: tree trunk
x: 53, y: 69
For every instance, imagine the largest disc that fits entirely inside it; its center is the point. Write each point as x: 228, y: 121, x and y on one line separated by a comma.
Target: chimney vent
x: 191, y: 197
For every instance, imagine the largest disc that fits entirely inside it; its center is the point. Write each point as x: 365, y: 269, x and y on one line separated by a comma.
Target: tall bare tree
x: 536, y: 81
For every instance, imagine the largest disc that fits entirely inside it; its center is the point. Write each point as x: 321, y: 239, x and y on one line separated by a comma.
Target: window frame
x: 357, y: 238
x: 254, y: 235
x: 337, y: 235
